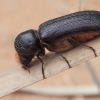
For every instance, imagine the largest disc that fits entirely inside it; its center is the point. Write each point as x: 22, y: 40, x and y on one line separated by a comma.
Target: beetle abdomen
x: 63, y: 44
x: 79, y: 22
x: 59, y: 45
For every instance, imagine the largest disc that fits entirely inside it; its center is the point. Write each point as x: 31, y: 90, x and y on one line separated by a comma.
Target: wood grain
x: 16, y: 78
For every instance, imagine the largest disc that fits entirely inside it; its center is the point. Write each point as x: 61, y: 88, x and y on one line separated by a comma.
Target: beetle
x: 57, y: 35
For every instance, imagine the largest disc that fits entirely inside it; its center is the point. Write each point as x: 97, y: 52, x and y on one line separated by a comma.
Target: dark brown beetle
x: 58, y: 35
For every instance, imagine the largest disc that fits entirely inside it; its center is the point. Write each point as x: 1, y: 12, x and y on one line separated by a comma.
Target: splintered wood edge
x: 16, y: 78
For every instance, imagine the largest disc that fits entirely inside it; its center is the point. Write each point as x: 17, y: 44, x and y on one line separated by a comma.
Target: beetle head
x: 27, y: 45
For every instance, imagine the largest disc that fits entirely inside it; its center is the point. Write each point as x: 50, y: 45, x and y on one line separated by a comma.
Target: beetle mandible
x: 57, y: 35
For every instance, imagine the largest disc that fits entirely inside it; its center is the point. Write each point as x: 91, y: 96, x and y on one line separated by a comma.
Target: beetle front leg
x: 42, y: 66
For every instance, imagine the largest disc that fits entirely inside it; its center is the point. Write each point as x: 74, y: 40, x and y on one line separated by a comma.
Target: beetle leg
x: 47, y: 45
x: 42, y: 66
x: 65, y: 59
x: 75, y: 42
x: 90, y: 48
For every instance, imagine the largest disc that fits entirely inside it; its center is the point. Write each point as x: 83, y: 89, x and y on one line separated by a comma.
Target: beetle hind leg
x: 91, y: 49
x: 74, y: 42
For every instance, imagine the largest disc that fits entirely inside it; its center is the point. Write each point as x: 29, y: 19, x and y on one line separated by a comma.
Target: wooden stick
x: 16, y: 78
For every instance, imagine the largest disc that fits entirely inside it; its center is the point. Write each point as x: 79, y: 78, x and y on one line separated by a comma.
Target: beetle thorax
x: 27, y: 43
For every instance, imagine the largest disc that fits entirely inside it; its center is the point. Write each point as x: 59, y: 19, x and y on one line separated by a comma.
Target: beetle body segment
x: 58, y: 35
x: 63, y: 43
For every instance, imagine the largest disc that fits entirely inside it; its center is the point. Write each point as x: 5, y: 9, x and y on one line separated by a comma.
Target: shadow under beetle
x: 57, y: 35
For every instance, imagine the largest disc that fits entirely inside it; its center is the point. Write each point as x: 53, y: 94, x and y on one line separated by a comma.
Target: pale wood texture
x: 17, y: 78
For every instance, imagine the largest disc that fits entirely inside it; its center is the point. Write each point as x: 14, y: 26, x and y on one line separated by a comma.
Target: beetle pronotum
x: 58, y: 35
